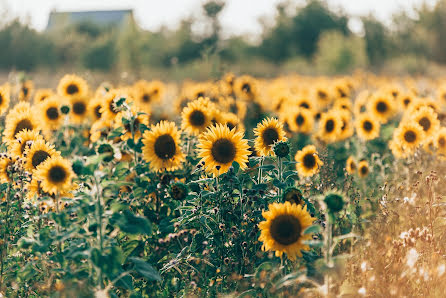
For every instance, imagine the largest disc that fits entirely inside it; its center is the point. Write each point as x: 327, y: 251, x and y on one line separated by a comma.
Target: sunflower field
x: 238, y: 187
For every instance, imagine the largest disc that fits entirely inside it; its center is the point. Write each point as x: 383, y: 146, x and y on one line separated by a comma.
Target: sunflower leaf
x: 314, y: 229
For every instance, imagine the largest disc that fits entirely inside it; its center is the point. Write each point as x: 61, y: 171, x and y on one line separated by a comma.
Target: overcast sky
x: 238, y: 17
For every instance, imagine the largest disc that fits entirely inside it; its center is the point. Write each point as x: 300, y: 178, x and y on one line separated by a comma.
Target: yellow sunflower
x: 42, y: 94
x: 322, y: 95
x: 440, y: 142
x: 232, y: 121
x: 246, y: 88
x: 237, y: 107
x: 330, y: 126
x: 72, y: 86
x: 196, y: 116
x: 363, y: 168
x: 108, y: 108
x: 24, y: 140
x: 268, y: 132
x: 37, y: 153
x: 405, y: 100
x: 26, y: 90
x: 4, y: 100
x: 300, y: 120
x: 360, y: 104
x: 138, y: 120
x: 94, y: 106
x: 6, y: 164
x: 427, y: 119
x: 19, y: 118
x: 366, y: 127
x: 409, y: 136
x: 282, y: 231
x: 49, y: 109
x: 347, y: 126
x: 219, y: 147
x: 308, y: 162
x: 56, y: 175
x: 381, y: 107
x: 99, y: 129
x: 351, y: 166
x: 79, y: 109
x: 162, y: 147
x: 145, y: 94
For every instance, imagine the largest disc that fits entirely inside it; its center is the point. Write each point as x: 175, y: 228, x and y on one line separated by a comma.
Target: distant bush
x: 100, y: 55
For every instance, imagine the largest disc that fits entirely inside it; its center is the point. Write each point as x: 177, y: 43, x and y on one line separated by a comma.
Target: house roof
x: 100, y: 17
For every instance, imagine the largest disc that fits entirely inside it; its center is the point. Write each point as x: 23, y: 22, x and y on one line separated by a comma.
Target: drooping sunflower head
x: 363, y: 168
x: 351, y: 166
x: 367, y: 127
x: 56, y: 175
x: 308, y: 162
x: 268, y: 132
x: 382, y: 107
x: 300, y: 120
x: 24, y: 140
x: 50, y: 113
x: 20, y: 118
x: 4, y: 100
x: 37, y: 153
x: 162, y: 147
x: 79, y: 109
x: 42, y: 94
x: 72, y: 86
x: 293, y: 195
x: 219, y: 147
x: 428, y: 120
x: 330, y: 126
x: 282, y: 230
x: 196, y: 117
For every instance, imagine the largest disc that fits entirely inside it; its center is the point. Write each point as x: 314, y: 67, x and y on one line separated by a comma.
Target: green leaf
x: 145, y: 269
x: 314, y: 229
x: 133, y: 224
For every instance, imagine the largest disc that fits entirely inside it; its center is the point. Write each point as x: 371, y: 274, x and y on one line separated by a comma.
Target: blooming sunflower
x: 330, y: 126
x: 162, y: 147
x: 308, y: 162
x: 23, y: 141
x: 440, y: 142
x: 366, y: 127
x: 108, y: 108
x: 232, y: 121
x: 37, y: 153
x: 246, y: 88
x: 42, y: 94
x: 237, y: 107
x: 19, y: 118
x: 363, y: 168
x: 347, y: 126
x: 350, y: 166
x: 196, y: 117
x: 405, y: 100
x: 282, y: 231
x: 50, y: 112
x: 4, y: 100
x: 146, y: 93
x: 322, y: 95
x: 427, y: 119
x: 72, y: 86
x: 55, y: 175
x: 79, y: 109
x: 25, y: 90
x: 219, y: 147
x: 300, y: 120
x: 381, y: 107
x: 99, y: 129
x: 408, y: 136
x: 268, y: 132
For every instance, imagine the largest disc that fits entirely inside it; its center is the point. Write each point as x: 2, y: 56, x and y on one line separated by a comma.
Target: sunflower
x: 343, y: 104
x: 381, y: 107
x: 145, y: 94
x: 300, y: 120
x: 237, y: 107
x: 138, y: 119
x: 366, y: 127
x: 94, y: 106
x: 304, y: 102
x: 232, y: 121
x: 55, y: 175
x: 282, y: 231
x: 246, y: 88
x: 405, y: 100
x: 363, y: 168
x: 162, y: 147
x: 50, y: 112
x: 219, y: 147
x: 42, y: 94
x: 4, y: 100
x: 308, y: 162
x: 360, y: 104
x: 408, y: 136
x: 25, y: 91
x: 6, y: 164
x: 72, y: 86
x: 330, y: 126
x: 427, y: 119
x: 108, y: 109
x: 24, y: 140
x: 440, y: 142
x: 196, y: 117
x: 322, y: 95
x: 99, y: 129
x: 293, y: 195
x: 79, y: 109
x: 347, y: 126
x: 268, y: 132
x: 19, y: 118
x: 341, y: 89
x: 351, y: 165
x: 37, y: 153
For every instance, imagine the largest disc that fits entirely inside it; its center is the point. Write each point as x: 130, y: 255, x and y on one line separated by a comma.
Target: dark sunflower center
x: 223, y: 151
x: 246, y: 88
x: 72, y: 89
x: 322, y: 95
x: 300, y: 120
x: 1, y: 99
x: 25, y: 91
x: 381, y: 107
x: 197, y: 118
x: 97, y: 111
x: 305, y: 105
x: 342, y: 93
x: 329, y: 125
x: 52, y: 113
x: 364, y: 170
x: 79, y: 108
x: 43, y: 97
x: 406, y: 101
x: 367, y: 125
x: 425, y: 123
x: 270, y: 135
x: 23, y: 124
x: 165, y: 147
x: 285, y: 229
x: 39, y: 157
x: 309, y: 161
x: 410, y: 136
x: 352, y: 165
x: 441, y: 142
x: 146, y: 97
x: 57, y: 174
x: 230, y: 125
x: 200, y: 94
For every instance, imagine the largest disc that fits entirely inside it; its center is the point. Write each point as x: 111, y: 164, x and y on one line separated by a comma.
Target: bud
x: 281, y: 149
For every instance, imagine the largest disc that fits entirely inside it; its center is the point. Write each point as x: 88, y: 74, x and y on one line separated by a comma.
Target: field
x: 239, y: 187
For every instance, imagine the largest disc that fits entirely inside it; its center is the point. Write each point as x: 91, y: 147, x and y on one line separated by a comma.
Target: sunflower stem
x: 4, y: 251
x: 99, y: 224
x: 328, y: 239
x: 259, y: 178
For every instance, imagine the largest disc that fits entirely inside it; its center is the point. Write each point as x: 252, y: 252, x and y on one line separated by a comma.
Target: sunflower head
x: 367, y: 127
x: 334, y: 202
x: 330, y: 126
x: 267, y: 133
x: 26, y: 90
x: 293, y: 195
x: 37, y: 153
x: 72, y: 86
x: 308, y: 162
x: 427, y: 119
x: 351, y: 165
x: 21, y: 117
x: 409, y: 136
x: 299, y: 120
x: 281, y: 149
x: 24, y: 140
x: 178, y: 191
x: 382, y: 107
x: 363, y: 168
x: 56, y: 175
x: 42, y: 94
x: 4, y: 99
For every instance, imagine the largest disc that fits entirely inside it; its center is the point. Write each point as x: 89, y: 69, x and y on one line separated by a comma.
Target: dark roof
x: 103, y: 18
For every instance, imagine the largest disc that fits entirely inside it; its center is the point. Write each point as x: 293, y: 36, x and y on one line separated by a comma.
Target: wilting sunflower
x: 125, y: 123
x: 268, y: 132
x: 308, y: 162
x: 6, y: 164
x: 440, y: 142
x: 26, y: 90
x: 427, y: 119
x: 350, y: 166
x: 300, y: 120
x: 37, y: 153
x: 409, y: 136
x: 196, y: 117
x: 24, y: 140
x: 219, y: 147
x: 363, y: 168
x: 72, y: 86
x: 56, y: 175
x: 4, y: 100
x: 162, y: 147
x: 367, y: 127
x: 50, y: 113
x: 79, y: 109
x: 42, y: 94
x: 19, y: 118
x: 282, y: 231
x: 330, y: 126
x: 381, y: 107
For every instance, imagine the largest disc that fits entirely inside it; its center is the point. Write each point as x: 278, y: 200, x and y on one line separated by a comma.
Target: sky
x: 238, y: 17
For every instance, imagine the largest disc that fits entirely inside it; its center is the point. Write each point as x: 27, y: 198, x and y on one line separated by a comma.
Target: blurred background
x: 198, y: 39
